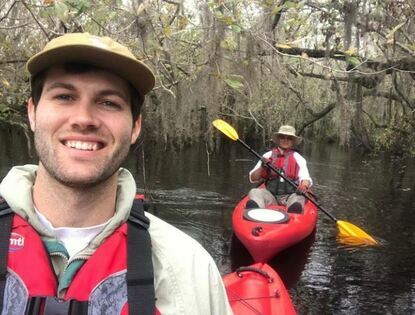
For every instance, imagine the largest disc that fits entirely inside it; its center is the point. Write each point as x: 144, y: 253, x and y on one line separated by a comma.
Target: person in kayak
x: 71, y: 244
x: 291, y: 164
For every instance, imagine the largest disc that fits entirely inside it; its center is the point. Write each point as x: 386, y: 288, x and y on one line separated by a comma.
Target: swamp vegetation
x: 340, y: 71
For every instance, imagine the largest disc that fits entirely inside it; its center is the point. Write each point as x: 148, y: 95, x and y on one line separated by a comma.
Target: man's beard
x: 99, y: 172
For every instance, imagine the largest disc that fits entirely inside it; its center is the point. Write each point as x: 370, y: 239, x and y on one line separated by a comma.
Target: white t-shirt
x: 74, y: 239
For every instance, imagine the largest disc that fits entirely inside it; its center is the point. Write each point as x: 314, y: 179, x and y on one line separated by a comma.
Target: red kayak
x: 257, y: 289
x: 266, y: 232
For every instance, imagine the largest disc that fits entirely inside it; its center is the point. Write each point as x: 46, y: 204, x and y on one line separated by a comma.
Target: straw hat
x: 288, y: 131
x: 102, y: 52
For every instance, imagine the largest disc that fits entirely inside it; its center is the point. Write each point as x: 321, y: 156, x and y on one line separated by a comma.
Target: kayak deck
x: 257, y: 289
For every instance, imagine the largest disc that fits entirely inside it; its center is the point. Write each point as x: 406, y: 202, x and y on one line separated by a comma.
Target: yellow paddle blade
x: 226, y: 129
x: 353, y: 235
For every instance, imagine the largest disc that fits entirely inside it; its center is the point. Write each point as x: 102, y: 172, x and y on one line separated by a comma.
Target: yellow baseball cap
x: 102, y: 52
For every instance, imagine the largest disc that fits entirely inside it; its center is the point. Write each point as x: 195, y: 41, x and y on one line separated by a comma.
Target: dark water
x: 196, y: 191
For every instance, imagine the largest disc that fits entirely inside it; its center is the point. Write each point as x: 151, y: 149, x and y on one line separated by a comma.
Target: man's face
x: 83, y: 126
x: 285, y: 142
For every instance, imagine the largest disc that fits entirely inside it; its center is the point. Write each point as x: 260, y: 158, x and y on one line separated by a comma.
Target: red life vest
x: 285, y: 162
x: 100, y: 283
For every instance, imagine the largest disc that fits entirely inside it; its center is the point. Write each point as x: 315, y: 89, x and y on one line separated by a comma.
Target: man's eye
x: 64, y: 97
x: 111, y: 104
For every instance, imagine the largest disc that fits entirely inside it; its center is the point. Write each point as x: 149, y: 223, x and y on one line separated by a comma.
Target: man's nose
x: 84, y: 116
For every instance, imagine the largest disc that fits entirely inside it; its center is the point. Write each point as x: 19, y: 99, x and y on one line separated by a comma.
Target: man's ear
x: 136, y: 130
x: 31, y: 114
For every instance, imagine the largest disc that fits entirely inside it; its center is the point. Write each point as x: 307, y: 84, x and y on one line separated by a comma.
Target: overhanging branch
x: 403, y: 64
x: 317, y: 116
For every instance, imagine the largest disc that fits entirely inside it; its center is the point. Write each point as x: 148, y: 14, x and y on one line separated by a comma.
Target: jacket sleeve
x: 218, y: 300
x: 186, y: 278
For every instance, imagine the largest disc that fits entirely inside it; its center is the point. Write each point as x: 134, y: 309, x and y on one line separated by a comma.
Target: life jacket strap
x: 140, y: 273
x: 6, y: 218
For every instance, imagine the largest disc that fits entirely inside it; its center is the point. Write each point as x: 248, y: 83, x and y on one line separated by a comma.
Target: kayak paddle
x: 348, y: 232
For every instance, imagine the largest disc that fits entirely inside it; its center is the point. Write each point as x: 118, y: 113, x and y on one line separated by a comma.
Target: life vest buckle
x: 56, y: 306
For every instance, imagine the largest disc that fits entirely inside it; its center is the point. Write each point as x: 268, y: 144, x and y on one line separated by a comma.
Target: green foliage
x: 62, y: 11
x: 82, y: 6
x: 399, y: 139
x: 229, y: 44
x: 234, y: 81
x: 352, y: 61
x: 286, y: 6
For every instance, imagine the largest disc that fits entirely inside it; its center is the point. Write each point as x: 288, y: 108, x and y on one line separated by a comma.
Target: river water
x: 196, y: 190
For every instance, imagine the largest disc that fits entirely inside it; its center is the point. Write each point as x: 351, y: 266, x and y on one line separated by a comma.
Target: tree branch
x: 277, y: 17
x: 177, y: 4
x: 13, y: 27
x: 36, y: 20
x: 3, y: 62
x: 404, y: 64
x: 8, y: 11
x: 317, y: 76
x: 317, y: 116
x: 400, y: 45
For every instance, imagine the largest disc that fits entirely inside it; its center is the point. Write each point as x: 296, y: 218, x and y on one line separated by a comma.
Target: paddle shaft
x: 289, y: 181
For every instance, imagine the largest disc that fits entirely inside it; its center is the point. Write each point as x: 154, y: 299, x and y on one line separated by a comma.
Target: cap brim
x: 132, y: 70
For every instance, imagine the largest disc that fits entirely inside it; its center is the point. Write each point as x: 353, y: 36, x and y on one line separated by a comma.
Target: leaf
x: 5, y: 83
x: 353, y: 61
x: 290, y: 5
x: 234, y: 84
x: 80, y: 5
x: 62, y: 11
x: 277, y: 9
x: 83, y: 7
x: 234, y: 81
x: 167, y: 31
x: 287, y: 5
x: 3, y: 108
x: 351, y: 51
x: 111, y: 15
x: 228, y: 20
x: 183, y: 21
x: 229, y: 44
x: 284, y: 46
x: 236, y: 28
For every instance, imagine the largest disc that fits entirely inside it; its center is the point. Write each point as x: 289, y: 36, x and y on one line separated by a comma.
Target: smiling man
x: 289, y: 162
x: 80, y: 243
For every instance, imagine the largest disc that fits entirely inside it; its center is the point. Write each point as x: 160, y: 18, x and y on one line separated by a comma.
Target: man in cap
x: 288, y: 162
x: 80, y: 242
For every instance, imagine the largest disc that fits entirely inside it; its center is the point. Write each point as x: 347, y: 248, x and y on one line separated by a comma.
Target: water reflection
x: 196, y: 192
